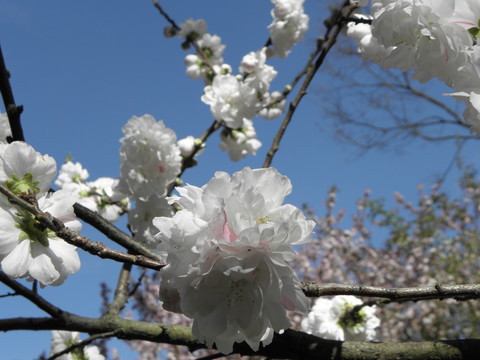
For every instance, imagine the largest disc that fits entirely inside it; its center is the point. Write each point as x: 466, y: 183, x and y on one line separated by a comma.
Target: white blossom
x: 23, y: 169
x: 104, y: 197
x: 230, y: 100
x: 333, y: 319
x: 150, y: 159
x: 240, y: 142
x: 192, y: 29
x: 275, y: 107
x: 288, y: 27
x: 228, y: 249
x: 4, y: 128
x: 63, y: 339
x: 26, y: 249
x: 71, y: 174
x: 141, y: 216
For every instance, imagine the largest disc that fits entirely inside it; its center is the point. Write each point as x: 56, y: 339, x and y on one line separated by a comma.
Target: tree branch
x: 337, y: 19
x: 439, y: 291
x: 289, y: 345
x: 95, y: 248
x: 13, y: 111
x: 112, y: 232
x: 32, y: 296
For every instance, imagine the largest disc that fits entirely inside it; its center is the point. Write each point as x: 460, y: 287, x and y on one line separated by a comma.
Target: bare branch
x: 439, y: 291
x: 32, y: 296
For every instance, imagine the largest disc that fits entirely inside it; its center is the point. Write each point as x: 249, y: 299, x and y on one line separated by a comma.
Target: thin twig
x: 308, y: 78
x: 81, y: 344
x: 112, y: 232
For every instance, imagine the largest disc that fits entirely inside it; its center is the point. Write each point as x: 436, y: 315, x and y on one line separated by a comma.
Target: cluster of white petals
x: 435, y: 39
x: 141, y: 216
x: 334, y: 319
x: 228, y: 249
x: 64, y: 339
x: 209, y: 61
x: 101, y: 195
x: 26, y: 248
x: 241, y: 142
x: 4, y: 128
x: 289, y: 25
x: 150, y: 159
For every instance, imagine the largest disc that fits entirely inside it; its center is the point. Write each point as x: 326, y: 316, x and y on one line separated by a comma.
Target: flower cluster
x: 435, y: 39
x: 289, y: 25
x: 26, y: 248
x: 240, y: 142
x: 336, y: 319
x: 101, y: 195
x: 150, y: 159
x: 228, y: 249
x: 64, y: 339
x: 150, y: 163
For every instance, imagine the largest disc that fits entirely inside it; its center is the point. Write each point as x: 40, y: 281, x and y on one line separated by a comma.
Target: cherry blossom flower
x: 150, y: 158
x: 70, y: 175
x: 4, y: 128
x: 64, y: 339
x: 289, y: 25
x: 140, y: 219
x: 192, y: 29
x: 228, y: 249
x: 334, y: 320
x: 23, y: 169
x: 230, y: 100
x: 239, y: 143
x: 26, y: 249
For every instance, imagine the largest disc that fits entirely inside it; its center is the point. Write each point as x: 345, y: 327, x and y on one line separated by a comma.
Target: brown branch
x: 120, y: 297
x: 339, y: 23
x: 439, y: 291
x: 13, y: 111
x: 36, y: 299
x: 289, y: 345
x: 95, y: 248
x: 112, y: 232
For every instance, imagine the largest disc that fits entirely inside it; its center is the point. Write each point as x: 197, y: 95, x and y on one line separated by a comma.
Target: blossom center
x: 351, y: 318
x: 23, y: 185
x: 31, y: 229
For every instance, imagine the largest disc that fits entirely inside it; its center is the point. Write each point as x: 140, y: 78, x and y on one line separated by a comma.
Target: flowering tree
x: 226, y: 274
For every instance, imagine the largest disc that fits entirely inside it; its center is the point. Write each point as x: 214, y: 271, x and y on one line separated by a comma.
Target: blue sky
x: 82, y: 69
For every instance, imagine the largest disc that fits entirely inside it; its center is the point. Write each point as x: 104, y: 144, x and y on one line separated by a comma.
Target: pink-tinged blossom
x: 228, y: 249
x: 27, y: 250
x: 150, y: 159
x: 333, y: 319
